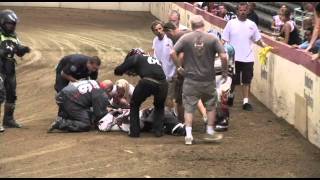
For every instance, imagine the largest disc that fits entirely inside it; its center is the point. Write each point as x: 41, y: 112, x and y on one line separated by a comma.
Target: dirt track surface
x: 258, y: 143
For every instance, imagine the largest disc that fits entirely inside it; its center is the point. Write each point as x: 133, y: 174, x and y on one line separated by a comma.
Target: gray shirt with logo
x: 199, y: 50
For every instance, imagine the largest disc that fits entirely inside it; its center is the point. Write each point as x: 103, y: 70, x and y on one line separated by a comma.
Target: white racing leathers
x: 119, y: 120
x: 223, y: 91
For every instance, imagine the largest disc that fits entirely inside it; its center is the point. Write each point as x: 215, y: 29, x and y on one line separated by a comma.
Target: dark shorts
x: 244, y: 73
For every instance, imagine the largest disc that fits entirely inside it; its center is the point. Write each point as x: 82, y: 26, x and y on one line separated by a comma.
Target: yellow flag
x: 263, y: 55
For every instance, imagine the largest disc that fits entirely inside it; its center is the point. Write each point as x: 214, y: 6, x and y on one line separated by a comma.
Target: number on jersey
x: 153, y: 60
x: 85, y: 86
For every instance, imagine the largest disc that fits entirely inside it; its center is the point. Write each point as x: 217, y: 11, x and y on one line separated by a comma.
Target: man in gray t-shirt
x: 199, y: 50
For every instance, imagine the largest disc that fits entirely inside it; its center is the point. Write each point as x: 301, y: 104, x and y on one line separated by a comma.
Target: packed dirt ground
x: 258, y: 144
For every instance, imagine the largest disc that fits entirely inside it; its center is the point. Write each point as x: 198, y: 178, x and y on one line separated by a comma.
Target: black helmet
x: 8, y: 21
x: 135, y: 51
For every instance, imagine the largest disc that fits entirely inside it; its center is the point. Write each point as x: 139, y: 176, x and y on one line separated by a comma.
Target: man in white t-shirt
x: 241, y: 33
x: 174, y: 17
x: 162, y: 46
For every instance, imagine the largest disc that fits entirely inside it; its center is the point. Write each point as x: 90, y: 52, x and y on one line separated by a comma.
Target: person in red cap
x: 119, y: 93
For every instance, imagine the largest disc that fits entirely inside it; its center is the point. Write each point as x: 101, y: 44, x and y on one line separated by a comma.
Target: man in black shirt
x: 74, y: 67
x: 153, y: 82
x: 253, y: 15
x: 75, y: 101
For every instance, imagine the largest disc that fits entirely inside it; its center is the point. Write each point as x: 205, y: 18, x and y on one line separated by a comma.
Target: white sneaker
x: 188, y: 140
x: 213, y: 137
x: 1, y: 128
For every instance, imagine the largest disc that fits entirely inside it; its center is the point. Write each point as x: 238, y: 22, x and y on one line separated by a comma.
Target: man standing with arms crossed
x: 199, y: 50
x: 241, y: 33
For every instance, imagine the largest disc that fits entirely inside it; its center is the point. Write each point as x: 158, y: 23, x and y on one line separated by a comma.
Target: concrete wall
x: 121, y: 6
x: 286, y: 87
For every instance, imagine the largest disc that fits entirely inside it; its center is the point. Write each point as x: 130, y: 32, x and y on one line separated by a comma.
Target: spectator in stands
x: 224, y: 13
x: 306, y: 42
x: 289, y: 32
x: 308, y: 7
x: 202, y: 5
x: 213, y: 8
x: 241, y: 33
x: 252, y: 14
x: 277, y: 23
x: 174, y: 17
x: 316, y: 31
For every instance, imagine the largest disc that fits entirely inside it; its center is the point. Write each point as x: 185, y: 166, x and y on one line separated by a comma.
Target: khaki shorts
x: 171, y: 93
x: 193, y: 91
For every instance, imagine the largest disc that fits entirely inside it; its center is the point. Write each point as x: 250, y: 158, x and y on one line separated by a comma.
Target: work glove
x: 22, y: 50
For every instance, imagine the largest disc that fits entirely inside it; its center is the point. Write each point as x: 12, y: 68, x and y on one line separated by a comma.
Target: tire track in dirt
x: 39, y: 152
x: 47, y: 149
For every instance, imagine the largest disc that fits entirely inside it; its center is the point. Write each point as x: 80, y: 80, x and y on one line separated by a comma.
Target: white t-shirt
x: 241, y: 35
x: 162, y: 49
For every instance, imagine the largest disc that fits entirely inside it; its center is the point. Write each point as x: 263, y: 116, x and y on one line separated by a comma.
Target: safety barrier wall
x: 121, y: 6
x: 289, y: 84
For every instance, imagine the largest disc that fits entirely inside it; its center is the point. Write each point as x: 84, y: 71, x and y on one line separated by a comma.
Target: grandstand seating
x: 265, y: 11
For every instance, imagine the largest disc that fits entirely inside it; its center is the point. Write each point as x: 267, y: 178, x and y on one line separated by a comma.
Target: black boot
x: 55, y: 124
x: 8, y: 118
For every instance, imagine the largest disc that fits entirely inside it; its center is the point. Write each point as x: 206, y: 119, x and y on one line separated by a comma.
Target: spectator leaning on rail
x: 224, y: 13
x: 289, y: 32
x: 277, y: 23
x: 316, y: 31
x: 241, y: 33
x: 306, y: 42
x: 199, y: 50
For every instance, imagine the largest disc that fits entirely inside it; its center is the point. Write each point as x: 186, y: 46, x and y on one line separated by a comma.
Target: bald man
x: 199, y: 50
x: 119, y: 93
